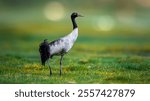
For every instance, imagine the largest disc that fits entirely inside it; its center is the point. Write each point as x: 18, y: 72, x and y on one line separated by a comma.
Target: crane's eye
x: 75, y: 14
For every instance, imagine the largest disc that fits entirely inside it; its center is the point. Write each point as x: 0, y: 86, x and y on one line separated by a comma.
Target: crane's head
x: 74, y: 15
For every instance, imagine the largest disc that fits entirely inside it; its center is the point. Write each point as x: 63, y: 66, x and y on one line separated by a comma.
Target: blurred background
x: 105, y: 21
x: 106, y: 16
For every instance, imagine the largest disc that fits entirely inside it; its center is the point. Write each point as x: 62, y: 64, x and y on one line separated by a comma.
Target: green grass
x: 93, y: 59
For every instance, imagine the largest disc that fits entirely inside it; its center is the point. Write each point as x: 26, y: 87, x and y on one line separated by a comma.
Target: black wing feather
x: 44, y: 50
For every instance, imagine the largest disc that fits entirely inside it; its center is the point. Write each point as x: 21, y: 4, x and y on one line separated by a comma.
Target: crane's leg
x: 61, y: 64
x: 49, y: 67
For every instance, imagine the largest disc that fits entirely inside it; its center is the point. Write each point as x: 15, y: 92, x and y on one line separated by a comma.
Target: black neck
x: 74, y: 22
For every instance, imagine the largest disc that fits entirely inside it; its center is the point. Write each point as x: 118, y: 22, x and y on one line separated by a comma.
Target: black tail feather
x: 44, y: 50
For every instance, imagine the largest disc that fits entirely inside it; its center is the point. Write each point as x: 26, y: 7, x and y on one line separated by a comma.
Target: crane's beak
x: 80, y: 15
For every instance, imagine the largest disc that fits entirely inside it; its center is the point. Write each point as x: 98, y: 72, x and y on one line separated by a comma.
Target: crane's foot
x: 50, y: 73
x: 60, y: 74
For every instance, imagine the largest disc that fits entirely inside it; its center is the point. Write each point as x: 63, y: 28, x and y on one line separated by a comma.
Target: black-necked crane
x: 60, y: 46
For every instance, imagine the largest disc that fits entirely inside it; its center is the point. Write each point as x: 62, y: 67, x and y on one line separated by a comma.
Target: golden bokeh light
x: 104, y: 23
x: 54, y: 11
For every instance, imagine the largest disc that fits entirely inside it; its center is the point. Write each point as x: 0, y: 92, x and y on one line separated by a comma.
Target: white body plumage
x: 64, y: 43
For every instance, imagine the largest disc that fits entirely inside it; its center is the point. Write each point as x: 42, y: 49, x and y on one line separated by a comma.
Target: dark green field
x: 119, y: 55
